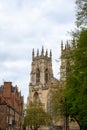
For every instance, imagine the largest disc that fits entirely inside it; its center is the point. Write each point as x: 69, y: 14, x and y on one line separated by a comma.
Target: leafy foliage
x: 2, y: 128
x: 56, y: 102
x: 36, y: 116
x: 76, y: 84
x: 81, y: 14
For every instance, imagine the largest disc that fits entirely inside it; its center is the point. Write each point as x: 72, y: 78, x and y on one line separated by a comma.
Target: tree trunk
x: 31, y: 127
x: 36, y: 127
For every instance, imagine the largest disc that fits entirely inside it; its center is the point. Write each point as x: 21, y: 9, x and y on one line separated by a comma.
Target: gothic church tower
x: 41, y: 76
x: 66, y: 62
x: 64, y: 69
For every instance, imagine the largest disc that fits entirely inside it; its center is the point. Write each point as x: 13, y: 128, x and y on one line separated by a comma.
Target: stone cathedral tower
x: 41, y: 77
x: 65, y: 62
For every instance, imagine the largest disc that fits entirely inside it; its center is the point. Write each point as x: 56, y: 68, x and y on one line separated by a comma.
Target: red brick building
x: 11, y: 107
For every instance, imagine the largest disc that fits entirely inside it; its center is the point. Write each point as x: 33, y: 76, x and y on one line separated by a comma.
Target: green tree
x: 81, y: 13
x: 36, y: 116
x: 56, y: 103
x: 76, y: 83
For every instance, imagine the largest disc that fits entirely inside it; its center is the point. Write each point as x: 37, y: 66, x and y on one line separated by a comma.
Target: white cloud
x: 27, y: 24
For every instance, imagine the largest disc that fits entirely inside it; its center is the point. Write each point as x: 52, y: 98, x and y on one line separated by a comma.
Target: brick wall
x: 3, y: 115
x: 7, y: 88
x: 13, y: 101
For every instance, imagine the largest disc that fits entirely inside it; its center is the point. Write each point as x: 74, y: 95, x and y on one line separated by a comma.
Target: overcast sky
x: 28, y: 24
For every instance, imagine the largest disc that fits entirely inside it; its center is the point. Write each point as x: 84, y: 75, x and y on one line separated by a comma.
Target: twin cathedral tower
x: 42, y: 79
x: 41, y: 76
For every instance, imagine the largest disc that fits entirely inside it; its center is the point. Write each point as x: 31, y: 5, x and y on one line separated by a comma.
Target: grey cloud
x: 60, y: 18
x: 27, y: 24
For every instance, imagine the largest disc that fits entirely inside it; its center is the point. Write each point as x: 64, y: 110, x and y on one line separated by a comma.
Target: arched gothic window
x: 36, y: 96
x: 37, y: 76
x: 46, y: 75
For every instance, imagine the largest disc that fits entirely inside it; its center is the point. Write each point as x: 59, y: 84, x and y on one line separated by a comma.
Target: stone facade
x: 65, y: 62
x: 41, y: 77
